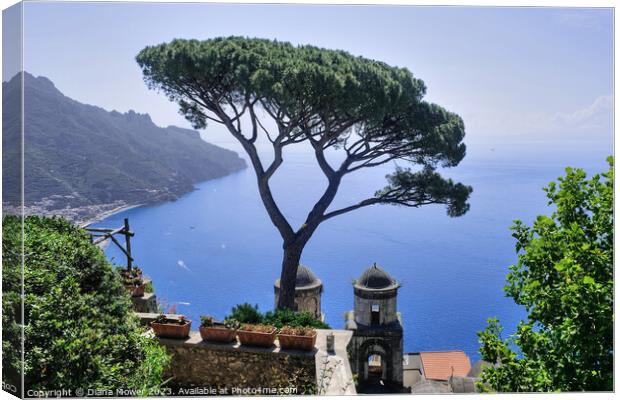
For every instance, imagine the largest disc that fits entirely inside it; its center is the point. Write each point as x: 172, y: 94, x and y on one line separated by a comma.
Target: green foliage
x: 147, y: 378
x: 286, y: 317
x: 176, y: 320
x: 246, y: 314
x: 79, y: 327
x: 564, y: 279
x: 406, y: 187
x: 149, y: 288
x: 369, y: 112
x: 326, y: 97
x: 229, y: 323
x: 11, y: 304
x: 280, y: 73
x: 232, y: 323
x: 131, y: 277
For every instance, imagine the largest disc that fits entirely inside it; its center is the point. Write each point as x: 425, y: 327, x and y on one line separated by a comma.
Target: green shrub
x: 564, y: 279
x: 80, y: 331
x: 280, y: 318
x: 149, y: 288
x: 11, y: 307
x: 249, y: 314
x: 148, y: 375
x: 246, y: 314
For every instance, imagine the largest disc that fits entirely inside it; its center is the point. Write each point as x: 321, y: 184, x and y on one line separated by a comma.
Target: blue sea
x: 215, y: 247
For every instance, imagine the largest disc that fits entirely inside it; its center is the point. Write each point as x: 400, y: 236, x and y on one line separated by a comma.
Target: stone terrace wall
x: 145, y: 304
x: 213, y: 368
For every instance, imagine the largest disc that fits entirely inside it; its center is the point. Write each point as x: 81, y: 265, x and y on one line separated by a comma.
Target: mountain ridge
x: 79, y: 158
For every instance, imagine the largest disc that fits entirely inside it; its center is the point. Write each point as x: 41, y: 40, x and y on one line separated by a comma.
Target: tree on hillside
x: 79, y: 330
x: 364, y: 111
x: 564, y: 279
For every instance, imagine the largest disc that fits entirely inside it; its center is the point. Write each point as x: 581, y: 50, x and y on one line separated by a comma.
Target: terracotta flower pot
x: 136, y: 291
x: 217, y: 334
x: 171, y: 330
x: 297, y: 342
x: 261, y: 339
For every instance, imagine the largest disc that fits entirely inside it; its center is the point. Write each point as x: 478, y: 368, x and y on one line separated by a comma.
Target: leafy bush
x: 149, y: 372
x: 11, y: 306
x: 246, y: 314
x: 564, y: 278
x: 149, y: 288
x: 79, y: 328
x: 280, y: 318
x: 249, y: 314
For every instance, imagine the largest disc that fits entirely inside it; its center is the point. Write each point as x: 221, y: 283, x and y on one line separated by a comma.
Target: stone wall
x: 306, y: 299
x: 384, y: 299
x: 238, y: 370
x: 145, y: 304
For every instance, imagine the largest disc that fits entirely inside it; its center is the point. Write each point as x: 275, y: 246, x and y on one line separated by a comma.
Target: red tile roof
x: 440, y: 365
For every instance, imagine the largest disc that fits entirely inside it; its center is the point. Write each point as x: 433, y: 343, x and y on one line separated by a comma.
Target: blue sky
x: 525, y: 74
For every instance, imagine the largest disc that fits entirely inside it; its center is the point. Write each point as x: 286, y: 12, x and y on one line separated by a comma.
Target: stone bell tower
x: 376, y: 348
x: 308, y: 290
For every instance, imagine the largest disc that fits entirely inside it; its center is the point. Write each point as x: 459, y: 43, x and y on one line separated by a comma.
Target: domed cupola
x: 308, y: 289
x: 306, y: 279
x: 377, y: 329
x: 376, y: 278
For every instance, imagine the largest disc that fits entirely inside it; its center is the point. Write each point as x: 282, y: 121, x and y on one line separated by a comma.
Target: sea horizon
x: 214, y: 247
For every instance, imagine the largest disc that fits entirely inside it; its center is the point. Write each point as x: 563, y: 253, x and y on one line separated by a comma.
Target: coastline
x: 86, y: 215
x: 105, y: 214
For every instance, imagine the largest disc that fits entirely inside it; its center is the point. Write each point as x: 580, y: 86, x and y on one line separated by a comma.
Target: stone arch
x: 379, y: 347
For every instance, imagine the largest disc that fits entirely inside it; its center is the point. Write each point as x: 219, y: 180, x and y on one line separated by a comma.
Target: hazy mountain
x: 78, y: 155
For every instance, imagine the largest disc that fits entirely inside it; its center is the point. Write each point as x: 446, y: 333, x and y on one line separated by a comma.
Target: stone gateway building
x: 308, y: 290
x: 376, y: 348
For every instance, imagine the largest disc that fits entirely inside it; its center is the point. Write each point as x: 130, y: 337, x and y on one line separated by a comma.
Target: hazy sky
x: 526, y: 73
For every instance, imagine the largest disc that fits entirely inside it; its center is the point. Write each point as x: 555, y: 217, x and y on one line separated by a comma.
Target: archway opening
x: 375, y: 368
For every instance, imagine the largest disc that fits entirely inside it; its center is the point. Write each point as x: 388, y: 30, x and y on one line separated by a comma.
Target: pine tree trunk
x: 288, y: 276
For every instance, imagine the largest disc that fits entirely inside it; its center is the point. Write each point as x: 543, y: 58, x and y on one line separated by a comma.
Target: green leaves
x: 414, y: 189
x: 564, y: 278
x: 247, y: 313
x: 79, y: 327
x: 368, y: 111
x: 286, y: 317
x: 305, y: 85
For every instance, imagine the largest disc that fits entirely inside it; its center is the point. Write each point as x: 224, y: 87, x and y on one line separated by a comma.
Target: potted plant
x: 257, y: 335
x: 298, y: 338
x: 217, y: 331
x: 175, y: 328
x: 132, y: 279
